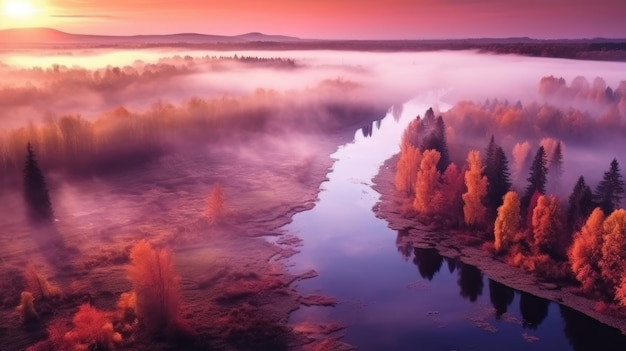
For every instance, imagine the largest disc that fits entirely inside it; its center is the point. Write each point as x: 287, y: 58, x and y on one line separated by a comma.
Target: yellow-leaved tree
x: 508, y: 222
x: 473, y: 209
x: 427, y: 182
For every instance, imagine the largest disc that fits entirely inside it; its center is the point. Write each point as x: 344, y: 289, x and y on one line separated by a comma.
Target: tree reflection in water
x: 587, y: 334
x: 533, y: 309
x: 501, y: 297
x: 405, y: 248
x: 451, y: 264
x: 470, y: 281
x: 428, y: 262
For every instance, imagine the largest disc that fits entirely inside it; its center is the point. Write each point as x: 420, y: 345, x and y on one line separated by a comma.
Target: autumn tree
x: 580, y: 204
x: 473, y: 209
x: 448, y: 199
x: 407, y: 168
x: 547, y: 225
x: 215, y: 205
x: 521, y: 156
x: 610, y: 190
x: 555, y: 169
x: 156, y: 285
x: 585, y: 253
x: 508, y: 223
x: 35, y: 190
x: 614, y: 248
x: 427, y: 182
x: 537, y: 178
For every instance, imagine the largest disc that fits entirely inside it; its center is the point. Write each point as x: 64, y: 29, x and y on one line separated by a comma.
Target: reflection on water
x: 428, y: 262
x: 470, y: 281
x: 534, y: 310
x: 501, y: 297
x: 405, y: 298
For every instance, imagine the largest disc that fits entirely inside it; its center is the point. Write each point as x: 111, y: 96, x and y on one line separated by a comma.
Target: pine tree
x: 498, y: 178
x: 538, y: 177
x: 580, y: 204
x: 436, y: 140
x: 610, y: 190
x: 35, y: 190
x: 555, y: 170
x: 442, y: 144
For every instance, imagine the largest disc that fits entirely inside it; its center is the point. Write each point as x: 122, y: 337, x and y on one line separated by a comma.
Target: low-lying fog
x: 38, y: 86
x: 392, y: 76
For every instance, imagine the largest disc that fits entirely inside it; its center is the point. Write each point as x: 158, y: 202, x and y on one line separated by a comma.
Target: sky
x: 327, y: 19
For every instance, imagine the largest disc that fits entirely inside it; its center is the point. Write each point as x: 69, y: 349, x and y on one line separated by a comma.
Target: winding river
x: 400, y: 298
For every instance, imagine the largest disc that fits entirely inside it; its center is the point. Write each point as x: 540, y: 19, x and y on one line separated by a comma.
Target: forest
x: 533, y: 212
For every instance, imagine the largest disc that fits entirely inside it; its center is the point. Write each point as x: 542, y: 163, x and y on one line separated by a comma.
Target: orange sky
x: 358, y: 19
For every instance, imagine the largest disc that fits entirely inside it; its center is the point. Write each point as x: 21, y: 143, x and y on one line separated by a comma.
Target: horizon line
x: 313, y: 39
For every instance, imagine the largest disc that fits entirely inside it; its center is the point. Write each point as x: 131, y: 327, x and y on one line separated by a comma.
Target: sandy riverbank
x: 455, y: 246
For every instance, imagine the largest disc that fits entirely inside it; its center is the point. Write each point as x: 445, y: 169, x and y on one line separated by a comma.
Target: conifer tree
x: 35, y: 190
x: 610, y: 190
x: 555, y: 170
x: 537, y: 178
x: 498, y: 177
x: 580, y: 204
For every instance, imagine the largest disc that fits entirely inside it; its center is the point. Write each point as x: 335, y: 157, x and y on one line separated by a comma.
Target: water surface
x: 399, y: 298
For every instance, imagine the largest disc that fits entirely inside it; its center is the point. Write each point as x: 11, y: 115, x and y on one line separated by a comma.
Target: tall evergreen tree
x: 555, y: 170
x: 610, y: 190
x: 538, y: 177
x: 35, y: 190
x: 580, y: 205
x: 498, y: 177
x: 436, y: 140
x: 489, y: 153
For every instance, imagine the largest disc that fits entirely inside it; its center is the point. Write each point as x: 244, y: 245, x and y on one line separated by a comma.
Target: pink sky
x: 342, y: 19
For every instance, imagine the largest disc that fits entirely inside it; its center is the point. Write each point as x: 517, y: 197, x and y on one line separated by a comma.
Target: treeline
x: 580, y: 110
x: 534, y: 230
x: 122, y: 137
x: 25, y: 86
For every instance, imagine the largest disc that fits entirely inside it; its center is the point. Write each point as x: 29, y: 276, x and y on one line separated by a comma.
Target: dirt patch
x: 468, y: 250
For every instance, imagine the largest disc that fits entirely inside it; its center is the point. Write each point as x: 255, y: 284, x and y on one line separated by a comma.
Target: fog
x: 40, y: 86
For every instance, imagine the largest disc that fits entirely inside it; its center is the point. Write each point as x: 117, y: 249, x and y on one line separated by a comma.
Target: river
x: 400, y: 298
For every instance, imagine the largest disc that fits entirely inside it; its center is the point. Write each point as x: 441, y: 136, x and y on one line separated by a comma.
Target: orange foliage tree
x: 586, y: 252
x: 407, y: 168
x: 156, y: 284
x: 215, y: 205
x: 448, y: 199
x: 614, y: 248
x: 508, y: 223
x: 474, y: 211
x: 427, y: 182
x: 92, y: 330
x: 547, y: 225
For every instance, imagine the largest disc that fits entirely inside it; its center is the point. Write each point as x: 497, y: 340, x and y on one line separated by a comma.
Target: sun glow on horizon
x: 18, y: 9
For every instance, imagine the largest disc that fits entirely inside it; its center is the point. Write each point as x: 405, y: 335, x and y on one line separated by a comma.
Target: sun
x: 18, y: 9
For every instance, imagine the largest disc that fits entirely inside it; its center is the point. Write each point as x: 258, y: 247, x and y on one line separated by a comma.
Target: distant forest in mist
x: 120, y: 137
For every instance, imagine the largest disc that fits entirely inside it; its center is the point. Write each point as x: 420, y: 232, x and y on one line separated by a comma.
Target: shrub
x: 38, y: 285
x: 27, y: 308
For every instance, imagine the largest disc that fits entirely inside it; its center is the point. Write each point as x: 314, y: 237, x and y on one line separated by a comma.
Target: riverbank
x: 454, y: 244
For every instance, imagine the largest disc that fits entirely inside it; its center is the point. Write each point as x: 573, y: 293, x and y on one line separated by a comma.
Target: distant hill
x: 53, y: 36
